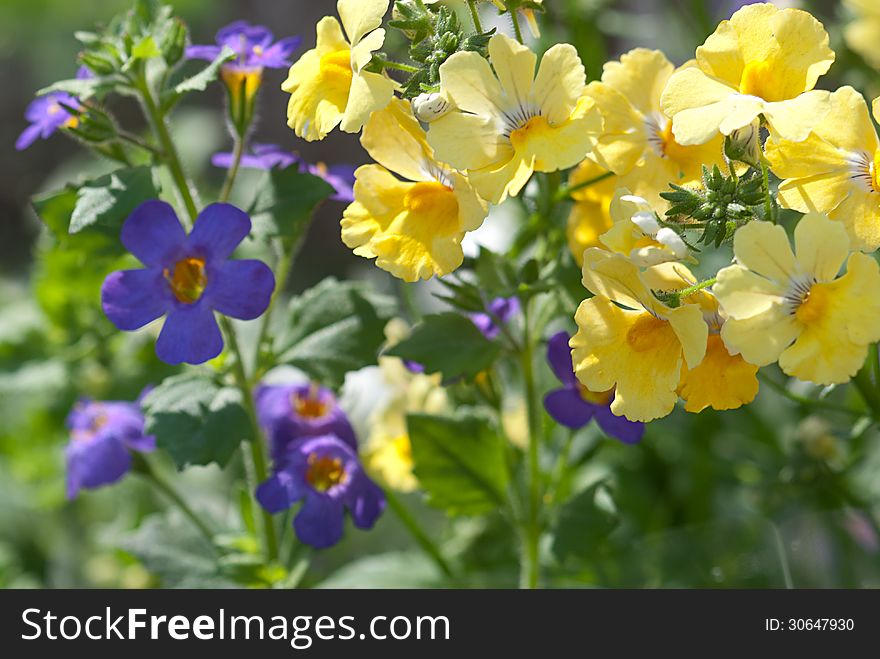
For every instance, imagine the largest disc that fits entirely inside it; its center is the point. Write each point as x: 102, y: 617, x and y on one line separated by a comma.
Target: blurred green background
x: 761, y: 497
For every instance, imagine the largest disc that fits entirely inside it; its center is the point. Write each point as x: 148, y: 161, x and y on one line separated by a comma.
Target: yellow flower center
x: 436, y: 206
x: 237, y: 80
x: 403, y: 449
x: 597, y: 398
x: 873, y: 169
x: 188, y: 280
x: 535, y: 127
x: 814, y: 306
x: 670, y: 148
x: 336, y: 67
x: 761, y: 79
x: 324, y: 473
x: 648, y: 333
x: 88, y: 434
x: 257, y: 50
x: 310, y: 406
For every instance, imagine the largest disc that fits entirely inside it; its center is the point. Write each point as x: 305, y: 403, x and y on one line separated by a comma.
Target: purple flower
x: 262, y: 156
x: 574, y: 405
x: 341, y: 177
x: 253, y: 46
x: 294, y: 411
x: 187, y: 278
x: 501, y: 309
x: 102, y: 437
x: 48, y: 113
x: 325, y: 474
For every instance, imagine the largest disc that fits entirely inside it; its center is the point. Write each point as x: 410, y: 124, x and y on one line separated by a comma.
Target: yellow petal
x: 468, y: 141
x: 821, y: 246
x: 587, y: 221
x: 560, y: 83
x: 615, y: 277
x: 623, y: 140
x: 722, y: 381
x: 362, y: 51
x: 369, y: 93
x: 763, y: 337
x: 690, y: 328
x: 813, y: 156
x: 743, y: 294
x: 472, y: 210
x: 794, y: 119
x: 361, y: 16
x: 560, y: 146
x: 859, y: 308
x: 764, y: 248
x: 468, y: 82
x: 860, y: 214
x: 394, y: 139
x: 514, y: 65
x: 502, y: 178
x: 640, y: 76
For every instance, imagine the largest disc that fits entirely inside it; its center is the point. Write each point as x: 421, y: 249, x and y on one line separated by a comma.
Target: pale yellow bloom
x: 637, y: 140
x: 765, y: 62
x: 863, y: 33
x: 637, y: 234
x: 834, y: 171
x: 630, y: 340
x: 722, y: 381
x: 508, y: 122
x: 413, y: 228
x: 590, y: 215
x: 793, y: 307
x: 328, y: 85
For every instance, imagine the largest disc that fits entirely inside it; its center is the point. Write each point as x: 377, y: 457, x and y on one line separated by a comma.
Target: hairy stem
x: 232, y: 173
x: 565, y: 192
x: 475, y: 16
x: 418, y: 533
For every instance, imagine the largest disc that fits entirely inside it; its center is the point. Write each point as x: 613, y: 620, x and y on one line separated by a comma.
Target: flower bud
x: 174, y: 42
x: 428, y: 107
x: 672, y: 241
x: 744, y: 144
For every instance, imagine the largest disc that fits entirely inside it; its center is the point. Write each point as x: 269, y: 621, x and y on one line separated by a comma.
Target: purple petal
x: 153, y: 233
x: 279, y: 492
x: 92, y: 463
x: 241, y: 289
x: 133, y: 298
x: 190, y: 335
x: 208, y: 53
x: 28, y: 136
x: 278, y: 55
x: 143, y: 444
x: 218, y: 230
x: 628, y: 432
x: 320, y: 521
x: 504, y: 308
x: 365, y: 501
x: 568, y: 408
x: 559, y: 357
x: 486, y: 325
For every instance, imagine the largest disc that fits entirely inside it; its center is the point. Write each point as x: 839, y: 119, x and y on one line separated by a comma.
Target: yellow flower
x: 637, y: 234
x: 834, y: 171
x: 863, y: 33
x: 796, y: 309
x: 510, y: 123
x: 328, y: 85
x: 638, y: 347
x: 412, y: 228
x: 722, y: 381
x: 637, y: 139
x: 763, y: 61
x: 590, y: 215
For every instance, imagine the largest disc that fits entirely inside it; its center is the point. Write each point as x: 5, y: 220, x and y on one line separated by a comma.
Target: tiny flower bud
x: 428, y: 107
x: 744, y: 144
x: 646, y: 221
x: 670, y: 239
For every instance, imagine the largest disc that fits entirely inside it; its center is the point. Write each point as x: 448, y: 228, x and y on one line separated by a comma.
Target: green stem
x: 514, y: 18
x: 148, y: 471
x: 282, y: 273
x: 530, y: 574
x: 867, y: 389
x: 803, y: 400
x: 399, y: 66
x: 258, y: 457
x: 169, y: 151
x: 417, y: 532
x: 125, y: 136
x: 237, y: 153
x: 475, y: 16
x: 690, y: 290
x: 769, y: 213
x: 565, y: 192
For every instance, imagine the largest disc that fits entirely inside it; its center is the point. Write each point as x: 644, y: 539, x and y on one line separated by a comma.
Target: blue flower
x: 102, y: 437
x: 501, y: 310
x: 187, y: 278
x: 49, y: 113
x: 574, y: 405
x: 292, y: 412
x: 253, y: 46
x: 325, y: 474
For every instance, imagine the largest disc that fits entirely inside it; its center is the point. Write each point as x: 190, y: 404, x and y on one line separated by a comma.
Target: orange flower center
x: 309, y: 405
x: 597, y: 398
x: 761, y: 79
x: 534, y: 128
x: 324, y: 473
x: 647, y: 333
x: 814, y: 306
x: 188, y: 279
x: 336, y: 65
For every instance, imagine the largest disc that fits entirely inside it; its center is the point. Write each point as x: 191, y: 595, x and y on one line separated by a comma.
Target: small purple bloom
x: 262, y: 156
x: 48, y: 113
x: 341, y: 177
x: 253, y: 45
x: 501, y: 309
x: 102, y: 437
x: 294, y: 411
x: 574, y: 405
x: 325, y: 474
x: 187, y: 278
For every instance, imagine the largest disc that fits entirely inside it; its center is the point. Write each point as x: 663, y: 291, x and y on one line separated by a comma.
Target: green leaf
x: 56, y: 209
x: 284, y: 203
x: 496, y: 274
x: 106, y: 202
x: 196, y: 420
x: 83, y: 89
x: 391, y: 570
x: 146, y: 48
x: 334, y: 328
x: 447, y: 343
x: 459, y: 461
x: 584, y: 522
x: 200, y: 81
